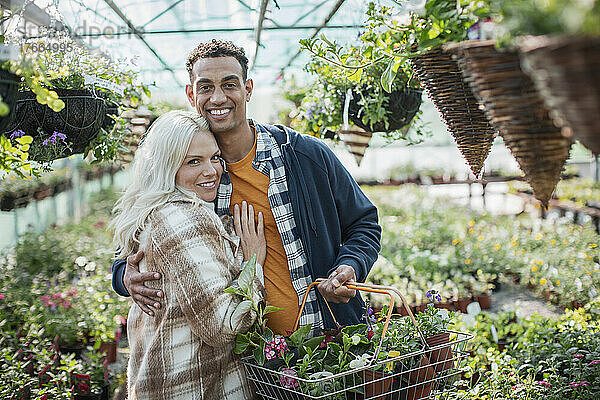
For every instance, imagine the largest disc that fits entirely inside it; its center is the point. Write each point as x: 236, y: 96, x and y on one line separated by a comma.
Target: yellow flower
x: 471, y: 230
x: 468, y: 261
x: 539, y: 262
x: 588, y: 272
x: 522, y: 251
x: 514, y: 243
x: 455, y: 242
x: 497, y: 246
x: 538, y: 236
x: 596, y: 269
x: 565, y: 243
x: 480, y: 238
x: 471, y: 223
x: 534, y: 268
x: 543, y: 281
x: 476, y: 245
x: 553, y: 242
x: 558, y: 283
x: 592, y: 245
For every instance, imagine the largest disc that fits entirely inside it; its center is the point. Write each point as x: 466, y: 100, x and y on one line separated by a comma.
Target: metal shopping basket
x: 427, y: 373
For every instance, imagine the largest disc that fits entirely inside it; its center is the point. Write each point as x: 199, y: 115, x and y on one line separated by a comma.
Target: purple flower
x: 54, y: 138
x: 287, y: 381
x: 433, y: 295
x: 16, y: 134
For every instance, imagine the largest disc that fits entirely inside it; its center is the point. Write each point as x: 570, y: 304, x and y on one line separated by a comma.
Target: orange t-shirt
x: 252, y: 186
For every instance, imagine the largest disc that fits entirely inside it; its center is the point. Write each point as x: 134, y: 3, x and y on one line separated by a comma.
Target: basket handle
x: 365, y: 287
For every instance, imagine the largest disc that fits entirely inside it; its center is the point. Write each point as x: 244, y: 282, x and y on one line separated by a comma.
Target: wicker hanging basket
x: 80, y: 120
x: 9, y: 83
x: 566, y: 72
x: 356, y: 140
x: 518, y: 112
x: 402, y: 106
x: 467, y: 123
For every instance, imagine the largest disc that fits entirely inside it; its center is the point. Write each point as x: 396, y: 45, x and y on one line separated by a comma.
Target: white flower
x: 81, y: 261
x: 443, y: 313
x: 360, y: 361
x: 355, y: 339
x: 402, y: 19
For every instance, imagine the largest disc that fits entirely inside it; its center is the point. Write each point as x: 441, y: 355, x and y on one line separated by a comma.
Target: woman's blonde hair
x: 155, y: 165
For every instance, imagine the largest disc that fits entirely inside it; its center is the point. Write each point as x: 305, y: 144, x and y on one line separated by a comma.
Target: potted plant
x: 434, y: 323
x: 91, y: 88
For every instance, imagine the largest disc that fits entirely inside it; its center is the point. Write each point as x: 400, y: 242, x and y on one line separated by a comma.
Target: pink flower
x: 71, y: 292
x: 67, y: 304
x: 595, y: 362
x: 57, y: 295
x: 578, y: 355
x: 2, y: 297
x: 51, y: 304
x: 577, y: 384
x: 276, y: 347
x: 287, y: 381
x: 543, y: 383
x: 370, y: 334
x: 45, y: 298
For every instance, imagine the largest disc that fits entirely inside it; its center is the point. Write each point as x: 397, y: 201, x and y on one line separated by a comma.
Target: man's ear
x: 189, y: 92
x: 249, y: 86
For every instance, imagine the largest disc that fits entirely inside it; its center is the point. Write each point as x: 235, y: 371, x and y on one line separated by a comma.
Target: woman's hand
x: 252, y: 237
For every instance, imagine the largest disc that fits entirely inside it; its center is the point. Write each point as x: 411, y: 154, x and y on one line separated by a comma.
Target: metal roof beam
x: 160, y: 14
x: 140, y: 36
x: 259, y: 27
x: 334, y: 10
x: 33, y: 13
x: 213, y: 30
x: 312, y: 10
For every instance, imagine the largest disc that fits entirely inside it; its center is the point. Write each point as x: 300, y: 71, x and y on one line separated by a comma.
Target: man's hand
x: 333, y: 288
x: 134, y: 280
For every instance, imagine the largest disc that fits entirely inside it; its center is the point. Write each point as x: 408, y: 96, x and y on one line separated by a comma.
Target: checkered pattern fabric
x: 269, y: 161
x: 185, y: 351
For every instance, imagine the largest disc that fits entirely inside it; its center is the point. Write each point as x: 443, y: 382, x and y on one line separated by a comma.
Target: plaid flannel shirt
x: 269, y: 161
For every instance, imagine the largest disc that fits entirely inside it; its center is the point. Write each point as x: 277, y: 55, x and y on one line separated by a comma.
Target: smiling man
x: 318, y: 223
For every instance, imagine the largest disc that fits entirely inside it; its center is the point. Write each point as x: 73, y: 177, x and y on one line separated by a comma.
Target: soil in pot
x: 441, y: 358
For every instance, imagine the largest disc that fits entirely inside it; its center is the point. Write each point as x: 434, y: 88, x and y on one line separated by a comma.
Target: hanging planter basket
x: 9, y: 83
x: 402, y: 106
x: 452, y: 96
x: 516, y: 109
x: 566, y: 72
x: 356, y: 140
x: 80, y: 120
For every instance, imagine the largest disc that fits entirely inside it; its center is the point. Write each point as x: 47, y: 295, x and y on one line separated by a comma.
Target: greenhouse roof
x: 159, y: 34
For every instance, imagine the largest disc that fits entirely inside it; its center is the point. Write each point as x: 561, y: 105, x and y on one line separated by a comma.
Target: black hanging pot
x: 80, y: 120
x: 402, y: 105
x: 9, y: 83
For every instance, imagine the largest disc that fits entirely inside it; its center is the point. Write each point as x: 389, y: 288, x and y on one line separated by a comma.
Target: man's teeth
x: 219, y: 112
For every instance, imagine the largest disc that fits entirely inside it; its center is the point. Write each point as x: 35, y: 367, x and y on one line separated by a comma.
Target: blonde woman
x: 185, y: 350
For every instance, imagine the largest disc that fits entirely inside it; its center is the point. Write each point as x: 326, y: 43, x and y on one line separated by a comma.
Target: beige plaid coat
x: 185, y: 351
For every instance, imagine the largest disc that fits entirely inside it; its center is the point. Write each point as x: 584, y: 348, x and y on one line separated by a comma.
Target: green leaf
x: 242, y: 309
x: 241, y: 343
x: 387, y: 78
x: 355, y: 76
x: 310, y: 345
x: 259, y: 354
x: 234, y: 290
x: 247, y: 275
x: 270, y: 309
x: 300, y: 335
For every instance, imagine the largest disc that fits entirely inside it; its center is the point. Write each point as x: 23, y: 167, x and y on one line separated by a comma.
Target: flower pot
x: 376, y: 384
x: 110, y: 349
x: 42, y: 192
x: 9, y: 83
x: 80, y: 120
x: 448, y: 305
x: 516, y: 109
x: 441, y: 357
x: 484, y: 300
x: 423, y: 373
x: 461, y: 304
x: 564, y: 70
x: 438, y: 72
x: 356, y: 140
x: 401, y: 108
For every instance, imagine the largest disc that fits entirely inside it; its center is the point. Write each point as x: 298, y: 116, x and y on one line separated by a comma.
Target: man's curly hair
x: 218, y: 48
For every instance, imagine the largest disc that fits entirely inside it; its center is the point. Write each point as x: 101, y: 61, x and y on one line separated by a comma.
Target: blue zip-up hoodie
x: 336, y: 221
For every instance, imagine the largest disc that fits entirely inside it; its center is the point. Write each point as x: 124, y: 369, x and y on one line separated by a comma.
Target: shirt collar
x: 264, y: 144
